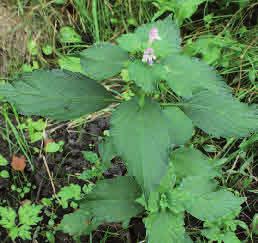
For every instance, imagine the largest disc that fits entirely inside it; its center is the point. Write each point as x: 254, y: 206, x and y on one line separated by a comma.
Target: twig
x: 49, y: 174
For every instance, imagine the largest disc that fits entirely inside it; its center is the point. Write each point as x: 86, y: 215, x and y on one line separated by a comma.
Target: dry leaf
x: 18, y: 163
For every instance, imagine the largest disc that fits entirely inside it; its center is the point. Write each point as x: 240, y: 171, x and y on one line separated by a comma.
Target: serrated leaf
x: 165, y: 227
x: 103, y: 60
x: 181, y: 127
x: 191, y: 162
x: 77, y: 223
x: 142, y: 137
x: 144, y: 75
x: 113, y: 200
x: 57, y: 94
x: 214, y: 205
x: 186, y: 75
x: 221, y: 115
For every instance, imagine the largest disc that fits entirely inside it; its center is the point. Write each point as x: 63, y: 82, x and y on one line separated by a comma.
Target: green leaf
x: 191, y: 162
x: 60, y: 95
x: 68, y: 35
x: 113, y: 200
x: 180, y: 126
x: 77, y: 223
x: 139, y: 41
x: 129, y: 42
x: 213, y: 205
x: 3, y: 161
x: 165, y: 227
x: 107, y: 150
x: 141, y: 135
x: 186, y: 75
x: 221, y: 115
x: 103, y: 60
x: 144, y: 75
x: 230, y: 237
x: 196, y: 186
x: 168, y: 32
x: 70, y: 63
x: 29, y: 214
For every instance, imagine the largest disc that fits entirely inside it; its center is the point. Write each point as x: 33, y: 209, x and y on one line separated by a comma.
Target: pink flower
x: 154, y: 35
x: 149, y: 56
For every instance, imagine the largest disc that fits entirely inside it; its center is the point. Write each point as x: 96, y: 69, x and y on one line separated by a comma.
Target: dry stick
x: 50, y: 177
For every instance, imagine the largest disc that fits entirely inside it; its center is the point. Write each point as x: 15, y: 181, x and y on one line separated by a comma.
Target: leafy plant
x: 28, y: 215
x: 145, y: 130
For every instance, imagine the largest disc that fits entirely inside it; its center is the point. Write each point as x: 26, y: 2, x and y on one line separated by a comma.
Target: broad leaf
x: 165, y: 227
x: 77, y: 223
x: 142, y: 137
x: 186, y: 75
x: 213, y: 205
x: 191, y: 162
x: 180, y: 126
x: 113, y: 200
x: 60, y: 95
x: 103, y: 60
x: 221, y: 115
x: 139, y: 41
x: 196, y: 186
x: 129, y: 42
x: 144, y: 75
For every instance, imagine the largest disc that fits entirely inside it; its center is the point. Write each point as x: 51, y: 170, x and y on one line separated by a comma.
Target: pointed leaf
x: 60, y: 95
x: 214, y: 205
x: 103, y: 60
x: 141, y: 135
x: 191, y: 162
x: 181, y: 127
x: 113, y: 200
x: 221, y: 115
x: 186, y: 75
x: 165, y: 227
x: 144, y: 75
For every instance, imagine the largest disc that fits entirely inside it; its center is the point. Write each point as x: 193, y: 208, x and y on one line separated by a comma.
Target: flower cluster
x: 148, y: 55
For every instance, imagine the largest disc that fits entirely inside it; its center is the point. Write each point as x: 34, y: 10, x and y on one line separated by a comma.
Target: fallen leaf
x: 18, y: 163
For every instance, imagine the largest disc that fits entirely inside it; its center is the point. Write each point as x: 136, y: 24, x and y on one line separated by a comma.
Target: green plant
x: 3, y: 163
x: 171, y: 93
x: 28, y: 215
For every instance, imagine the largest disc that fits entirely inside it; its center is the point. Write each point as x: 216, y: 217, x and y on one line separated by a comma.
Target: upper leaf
x: 186, y: 75
x: 60, y: 95
x: 165, y: 227
x: 113, y: 200
x: 213, y: 205
x: 141, y: 135
x: 103, y: 60
x: 145, y: 76
x: 191, y: 162
x: 221, y: 115
x: 180, y: 126
x: 168, y: 31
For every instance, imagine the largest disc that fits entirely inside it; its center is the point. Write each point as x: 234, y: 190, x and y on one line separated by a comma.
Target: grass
x: 97, y: 21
